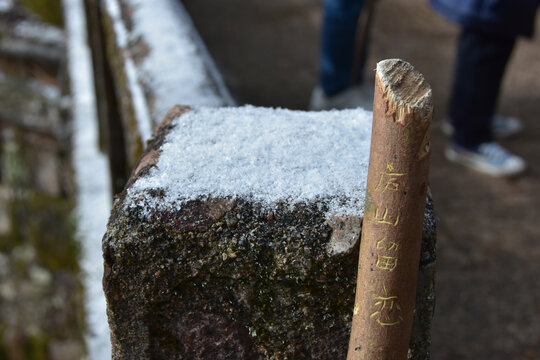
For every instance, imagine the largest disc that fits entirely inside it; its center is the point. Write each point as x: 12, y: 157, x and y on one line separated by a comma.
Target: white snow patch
x: 177, y: 68
x: 45, y: 33
x: 266, y: 155
x: 92, y: 178
x: 6, y: 5
x: 144, y: 122
x: 50, y: 92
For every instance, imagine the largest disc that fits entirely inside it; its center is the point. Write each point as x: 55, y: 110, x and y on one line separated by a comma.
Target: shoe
x: 489, y: 158
x: 353, y: 97
x: 501, y: 126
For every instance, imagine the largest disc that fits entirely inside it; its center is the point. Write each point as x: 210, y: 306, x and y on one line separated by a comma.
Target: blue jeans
x: 340, y: 20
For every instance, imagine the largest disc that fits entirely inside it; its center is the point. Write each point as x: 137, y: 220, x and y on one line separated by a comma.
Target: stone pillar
x: 197, y: 268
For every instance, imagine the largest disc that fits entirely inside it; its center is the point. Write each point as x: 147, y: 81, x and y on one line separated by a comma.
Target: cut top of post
x: 406, y: 90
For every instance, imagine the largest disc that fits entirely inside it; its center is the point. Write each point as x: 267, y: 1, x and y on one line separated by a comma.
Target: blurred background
x: 488, y: 270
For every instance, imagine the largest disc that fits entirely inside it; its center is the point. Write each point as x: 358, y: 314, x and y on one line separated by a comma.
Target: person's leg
x: 340, y: 19
x: 481, y: 62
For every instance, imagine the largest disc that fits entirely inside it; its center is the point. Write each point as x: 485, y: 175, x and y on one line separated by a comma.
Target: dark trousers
x: 340, y: 21
x: 481, y: 62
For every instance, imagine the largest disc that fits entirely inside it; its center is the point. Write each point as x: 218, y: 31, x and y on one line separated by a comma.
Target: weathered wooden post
x: 395, y: 202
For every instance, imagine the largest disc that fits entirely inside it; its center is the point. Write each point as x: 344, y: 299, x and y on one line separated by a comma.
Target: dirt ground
x: 488, y: 282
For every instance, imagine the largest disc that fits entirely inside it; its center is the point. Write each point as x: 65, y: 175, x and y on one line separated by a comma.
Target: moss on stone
x: 45, y: 223
x: 37, y: 347
x: 48, y: 10
x: 46, y: 305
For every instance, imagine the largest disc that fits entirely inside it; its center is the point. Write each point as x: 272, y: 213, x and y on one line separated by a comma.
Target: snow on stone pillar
x: 237, y: 236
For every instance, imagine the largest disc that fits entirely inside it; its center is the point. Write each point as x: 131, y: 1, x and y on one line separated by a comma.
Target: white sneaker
x: 501, y: 126
x: 353, y: 97
x: 490, y: 158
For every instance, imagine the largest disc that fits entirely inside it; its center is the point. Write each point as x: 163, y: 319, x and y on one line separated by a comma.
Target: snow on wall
x: 46, y: 34
x: 144, y: 122
x: 92, y: 179
x: 266, y: 155
x: 177, y: 69
x: 5, y: 5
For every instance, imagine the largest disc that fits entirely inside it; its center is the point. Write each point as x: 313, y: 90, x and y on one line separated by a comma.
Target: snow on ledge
x: 92, y: 178
x: 177, y: 67
x: 265, y: 155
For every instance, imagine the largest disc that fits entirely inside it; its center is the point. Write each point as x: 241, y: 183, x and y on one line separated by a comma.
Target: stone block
x: 237, y: 238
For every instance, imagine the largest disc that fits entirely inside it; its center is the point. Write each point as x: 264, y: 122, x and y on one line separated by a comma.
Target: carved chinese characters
x: 388, y: 311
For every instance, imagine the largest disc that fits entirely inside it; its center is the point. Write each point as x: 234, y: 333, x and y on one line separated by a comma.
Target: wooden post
x: 394, y: 212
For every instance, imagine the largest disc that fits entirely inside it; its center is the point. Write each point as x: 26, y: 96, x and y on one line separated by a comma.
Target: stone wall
x: 42, y: 314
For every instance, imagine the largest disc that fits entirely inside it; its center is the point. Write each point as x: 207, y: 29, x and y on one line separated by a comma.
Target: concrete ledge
x: 156, y: 59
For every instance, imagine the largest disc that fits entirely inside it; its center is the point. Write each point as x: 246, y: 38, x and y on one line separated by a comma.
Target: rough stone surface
x: 346, y: 231
x: 226, y: 278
